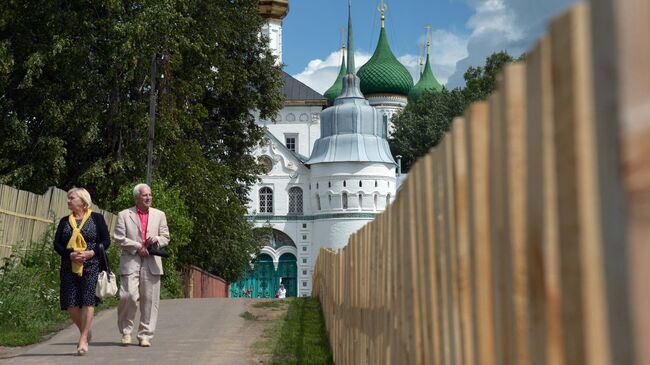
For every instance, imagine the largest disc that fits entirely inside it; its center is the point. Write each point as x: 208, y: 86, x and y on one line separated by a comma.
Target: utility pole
x: 153, y: 96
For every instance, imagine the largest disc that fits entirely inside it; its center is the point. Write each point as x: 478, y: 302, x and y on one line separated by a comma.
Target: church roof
x: 335, y: 90
x: 427, y: 82
x: 351, y: 129
x: 295, y: 91
x: 383, y: 73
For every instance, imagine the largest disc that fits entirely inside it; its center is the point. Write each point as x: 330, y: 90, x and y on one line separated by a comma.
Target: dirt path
x: 190, y: 331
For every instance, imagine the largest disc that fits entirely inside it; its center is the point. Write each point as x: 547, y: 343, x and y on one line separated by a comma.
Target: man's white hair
x: 136, y: 189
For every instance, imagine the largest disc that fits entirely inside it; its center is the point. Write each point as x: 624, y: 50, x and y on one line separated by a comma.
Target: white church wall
x: 302, y: 121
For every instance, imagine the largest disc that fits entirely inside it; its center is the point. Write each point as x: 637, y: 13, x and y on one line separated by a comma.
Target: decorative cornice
x: 275, y: 218
x: 273, y: 9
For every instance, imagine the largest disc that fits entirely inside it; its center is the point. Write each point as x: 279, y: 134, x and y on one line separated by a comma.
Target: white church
x: 328, y: 166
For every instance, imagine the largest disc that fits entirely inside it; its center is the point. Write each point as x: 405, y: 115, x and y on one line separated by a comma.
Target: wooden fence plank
x: 546, y: 343
x: 584, y: 302
x: 480, y: 232
x: 459, y: 134
x: 622, y: 62
x: 514, y: 107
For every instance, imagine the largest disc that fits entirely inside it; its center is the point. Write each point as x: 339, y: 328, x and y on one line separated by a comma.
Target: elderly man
x: 136, y: 229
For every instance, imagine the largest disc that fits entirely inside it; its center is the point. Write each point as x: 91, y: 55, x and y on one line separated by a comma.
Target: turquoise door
x: 288, y: 273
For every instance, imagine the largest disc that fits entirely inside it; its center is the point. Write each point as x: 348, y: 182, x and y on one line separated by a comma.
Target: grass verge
x: 298, y: 337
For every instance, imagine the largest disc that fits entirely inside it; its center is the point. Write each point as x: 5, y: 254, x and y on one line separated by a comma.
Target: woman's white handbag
x: 106, y: 283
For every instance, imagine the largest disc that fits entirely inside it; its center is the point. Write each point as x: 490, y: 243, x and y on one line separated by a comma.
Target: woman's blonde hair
x: 83, y: 194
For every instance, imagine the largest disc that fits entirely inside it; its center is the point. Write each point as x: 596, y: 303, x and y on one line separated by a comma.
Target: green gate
x: 263, y: 280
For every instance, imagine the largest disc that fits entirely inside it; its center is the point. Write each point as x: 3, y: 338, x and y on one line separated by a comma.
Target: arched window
x: 360, y: 184
x: 387, y: 199
x: 266, y: 200
x: 295, y: 200
x: 344, y: 183
x: 344, y: 197
x: 375, y: 201
x: 360, y: 201
x: 317, y: 202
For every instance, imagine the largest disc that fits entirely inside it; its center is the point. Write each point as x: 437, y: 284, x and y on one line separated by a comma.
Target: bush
x: 29, y: 293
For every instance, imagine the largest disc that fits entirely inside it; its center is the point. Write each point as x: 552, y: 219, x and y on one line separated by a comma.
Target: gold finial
x: 382, y: 9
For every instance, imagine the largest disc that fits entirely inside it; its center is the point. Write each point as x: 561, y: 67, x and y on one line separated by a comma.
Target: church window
x: 316, y: 185
x: 375, y: 183
x: 360, y: 184
x: 329, y: 184
x: 360, y: 200
x: 387, y: 199
x: 304, y: 283
x: 375, y: 201
x: 344, y: 183
x: 345, y: 200
x: 317, y: 202
x: 266, y: 200
x: 304, y: 272
x: 385, y: 127
x: 290, y: 142
x: 304, y: 225
x: 304, y: 248
x: 295, y: 200
x: 304, y: 261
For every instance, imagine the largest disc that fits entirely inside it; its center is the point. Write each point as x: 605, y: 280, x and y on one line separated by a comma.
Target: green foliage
x: 481, y: 81
x: 75, y: 83
x: 299, y: 337
x: 223, y: 239
x: 170, y: 200
x: 422, y: 124
x: 29, y: 294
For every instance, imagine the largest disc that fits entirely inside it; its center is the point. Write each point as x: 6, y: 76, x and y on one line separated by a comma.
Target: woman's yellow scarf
x: 77, y: 242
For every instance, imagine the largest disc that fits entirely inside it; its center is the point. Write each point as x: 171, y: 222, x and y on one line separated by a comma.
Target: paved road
x: 190, y: 331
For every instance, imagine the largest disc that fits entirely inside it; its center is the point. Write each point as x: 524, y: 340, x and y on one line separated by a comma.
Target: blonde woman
x: 77, y: 240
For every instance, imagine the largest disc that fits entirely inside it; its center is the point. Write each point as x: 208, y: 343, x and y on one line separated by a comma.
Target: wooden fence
x: 25, y: 217
x: 523, y: 237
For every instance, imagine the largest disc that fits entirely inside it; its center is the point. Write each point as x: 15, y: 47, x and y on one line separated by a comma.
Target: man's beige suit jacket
x: 128, y: 235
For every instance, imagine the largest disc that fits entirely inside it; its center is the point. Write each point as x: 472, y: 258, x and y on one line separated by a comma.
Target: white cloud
x: 321, y: 74
x: 446, y: 49
x: 510, y: 25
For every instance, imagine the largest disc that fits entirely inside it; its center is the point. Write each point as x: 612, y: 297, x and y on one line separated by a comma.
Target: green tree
x: 75, y: 87
x: 422, y: 124
x: 481, y: 81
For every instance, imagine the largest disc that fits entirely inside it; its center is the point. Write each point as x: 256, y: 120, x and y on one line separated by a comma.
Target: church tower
x: 352, y: 168
x: 427, y: 80
x: 274, y: 11
x: 384, y: 80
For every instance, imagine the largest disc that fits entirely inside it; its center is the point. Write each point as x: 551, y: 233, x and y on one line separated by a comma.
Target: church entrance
x: 263, y: 280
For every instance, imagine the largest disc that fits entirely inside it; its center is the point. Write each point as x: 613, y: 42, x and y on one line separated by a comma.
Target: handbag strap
x: 108, y: 267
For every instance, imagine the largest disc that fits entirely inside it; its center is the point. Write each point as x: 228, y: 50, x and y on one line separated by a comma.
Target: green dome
x: 383, y: 73
x: 427, y: 82
x: 335, y: 90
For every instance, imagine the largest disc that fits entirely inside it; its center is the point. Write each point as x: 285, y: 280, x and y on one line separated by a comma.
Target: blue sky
x: 464, y: 32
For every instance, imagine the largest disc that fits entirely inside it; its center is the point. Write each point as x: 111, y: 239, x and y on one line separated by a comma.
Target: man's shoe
x: 126, y: 339
x: 144, y: 342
